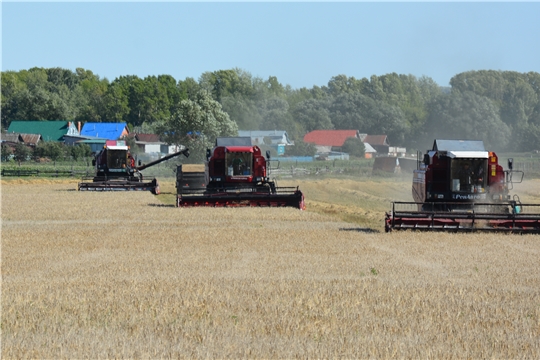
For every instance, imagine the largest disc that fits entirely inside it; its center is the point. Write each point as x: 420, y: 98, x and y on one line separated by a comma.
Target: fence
x: 528, y: 167
x: 43, y: 173
x: 290, y: 170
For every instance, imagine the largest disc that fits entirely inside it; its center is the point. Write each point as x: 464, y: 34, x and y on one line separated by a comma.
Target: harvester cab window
x: 469, y: 175
x: 116, y: 159
x: 239, y: 163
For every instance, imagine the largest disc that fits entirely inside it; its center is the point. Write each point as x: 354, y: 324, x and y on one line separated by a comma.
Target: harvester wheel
x: 156, y: 190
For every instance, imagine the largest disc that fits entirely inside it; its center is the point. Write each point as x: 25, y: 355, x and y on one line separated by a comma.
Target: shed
x: 369, y: 151
x: 149, y: 143
x: 378, y: 142
x: 12, y: 138
x: 276, y: 137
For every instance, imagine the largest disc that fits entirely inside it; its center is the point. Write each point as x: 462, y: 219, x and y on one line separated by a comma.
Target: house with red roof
x: 325, y: 140
x: 332, y: 140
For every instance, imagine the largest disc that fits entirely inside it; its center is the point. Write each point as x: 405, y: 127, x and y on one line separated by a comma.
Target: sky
x: 303, y: 44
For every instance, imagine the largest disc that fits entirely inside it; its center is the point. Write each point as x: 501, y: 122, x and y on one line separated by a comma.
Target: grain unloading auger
x: 116, y: 170
x: 459, y: 186
x: 235, y: 174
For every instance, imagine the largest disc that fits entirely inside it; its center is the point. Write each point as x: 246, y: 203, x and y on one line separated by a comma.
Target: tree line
x: 502, y: 108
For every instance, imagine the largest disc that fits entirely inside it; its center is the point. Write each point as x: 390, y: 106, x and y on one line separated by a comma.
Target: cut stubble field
x: 108, y: 275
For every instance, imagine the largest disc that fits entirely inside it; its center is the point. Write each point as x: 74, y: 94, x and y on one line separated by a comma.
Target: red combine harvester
x: 235, y: 175
x: 116, y: 170
x: 459, y: 186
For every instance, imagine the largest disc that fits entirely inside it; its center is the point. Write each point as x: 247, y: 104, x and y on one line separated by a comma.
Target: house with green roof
x: 53, y: 130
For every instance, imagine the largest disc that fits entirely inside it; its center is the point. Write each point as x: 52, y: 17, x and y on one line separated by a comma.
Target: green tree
x: 90, y: 97
x: 21, y: 153
x: 45, y: 100
x: 13, y: 90
x: 132, y: 143
x: 516, y: 97
x: 116, y: 102
x: 358, y: 112
x: 58, y: 77
x: 80, y: 151
x: 53, y: 150
x: 188, y: 89
x: 343, y: 84
x: 301, y: 148
x: 275, y: 115
x: 313, y: 114
x: 354, y: 147
x: 7, y: 152
x: 467, y: 116
x: 196, y: 124
x: 223, y: 83
x: 243, y: 111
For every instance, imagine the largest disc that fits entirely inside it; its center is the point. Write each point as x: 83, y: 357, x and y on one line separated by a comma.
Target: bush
x: 80, y: 151
x: 52, y: 150
x: 301, y: 148
x: 354, y: 147
x: 22, y: 153
x: 7, y: 152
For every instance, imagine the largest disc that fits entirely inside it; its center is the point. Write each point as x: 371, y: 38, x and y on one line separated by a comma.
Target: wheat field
x: 127, y: 275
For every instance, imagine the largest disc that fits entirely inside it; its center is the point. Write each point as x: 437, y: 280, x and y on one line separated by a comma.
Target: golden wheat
x: 108, y: 275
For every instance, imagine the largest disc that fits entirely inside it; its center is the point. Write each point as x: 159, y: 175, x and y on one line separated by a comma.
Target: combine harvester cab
x: 116, y: 170
x: 235, y: 174
x: 459, y: 186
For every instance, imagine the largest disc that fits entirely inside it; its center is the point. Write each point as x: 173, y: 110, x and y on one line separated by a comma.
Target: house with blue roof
x: 109, y: 131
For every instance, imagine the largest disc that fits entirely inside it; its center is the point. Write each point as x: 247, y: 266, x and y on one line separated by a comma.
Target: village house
x: 276, y: 139
x: 53, y: 130
x: 327, y: 141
